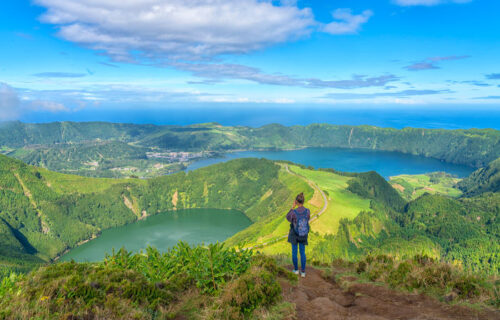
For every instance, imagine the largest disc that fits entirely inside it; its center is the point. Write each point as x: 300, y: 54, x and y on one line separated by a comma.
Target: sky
x: 60, y: 59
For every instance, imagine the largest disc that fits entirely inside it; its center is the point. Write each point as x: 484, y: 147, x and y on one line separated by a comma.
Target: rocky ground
x: 320, y: 298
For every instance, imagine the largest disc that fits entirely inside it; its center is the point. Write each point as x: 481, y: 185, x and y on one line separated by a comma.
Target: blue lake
x: 351, y: 160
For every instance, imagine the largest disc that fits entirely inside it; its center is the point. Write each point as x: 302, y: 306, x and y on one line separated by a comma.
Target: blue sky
x: 61, y: 57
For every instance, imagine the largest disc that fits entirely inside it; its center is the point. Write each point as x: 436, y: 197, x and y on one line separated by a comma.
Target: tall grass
x: 229, y: 284
x: 427, y: 275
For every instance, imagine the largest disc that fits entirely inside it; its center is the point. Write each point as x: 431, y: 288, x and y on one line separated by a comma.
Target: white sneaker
x: 296, y: 272
x: 302, y: 274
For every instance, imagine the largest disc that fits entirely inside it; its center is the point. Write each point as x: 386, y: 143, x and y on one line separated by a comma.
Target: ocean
x: 411, y: 116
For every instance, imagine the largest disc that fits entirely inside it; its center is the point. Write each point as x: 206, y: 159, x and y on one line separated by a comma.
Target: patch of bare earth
x: 43, y: 223
x: 316, y: 298
x: 175, y: 198
x: 128, y: 204
x: 398, y: 187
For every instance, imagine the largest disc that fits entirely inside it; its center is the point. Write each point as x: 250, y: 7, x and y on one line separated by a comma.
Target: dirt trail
x: 319, y: 299
x: 317, y: 189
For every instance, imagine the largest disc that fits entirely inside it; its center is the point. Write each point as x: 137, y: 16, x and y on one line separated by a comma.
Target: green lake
x: 163, y: 231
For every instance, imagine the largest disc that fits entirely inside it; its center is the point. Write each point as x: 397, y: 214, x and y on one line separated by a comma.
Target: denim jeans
x: 302, y: 248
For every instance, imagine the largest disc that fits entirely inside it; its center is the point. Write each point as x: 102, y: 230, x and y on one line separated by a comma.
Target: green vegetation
x: 46, y: 213
x: 367, y: 223
x: 485, y: 179
x: 342, y: 204
x: 413, y: 186
x: 365, y: 215
x: 198, y: 282
x: 371, y: 185
x: 109, y: 159
x: 104, y: 149
x: 424, y: 274
x: 376, y: 227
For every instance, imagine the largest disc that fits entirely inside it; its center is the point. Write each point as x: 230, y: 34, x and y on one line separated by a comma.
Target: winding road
x: 315, y: 187
x: 313, y: 217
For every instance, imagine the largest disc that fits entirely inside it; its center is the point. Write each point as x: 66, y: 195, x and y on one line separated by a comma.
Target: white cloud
x: 236, y: 99
x: 396, y: 94
x: 348, y: 23
x: 51, y: 106
x: 156, y: 31
x: 430, y: 63
x: 216, y: 72
x: 9, y: 103
x: 92, y: 95
x: 407, y: 3
x: 12, y: 107
x: 193, y: 29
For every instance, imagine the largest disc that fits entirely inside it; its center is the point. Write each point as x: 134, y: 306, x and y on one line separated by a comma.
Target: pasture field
x: 68, y: 183
x: 341, y: 203
x: 413, y: 186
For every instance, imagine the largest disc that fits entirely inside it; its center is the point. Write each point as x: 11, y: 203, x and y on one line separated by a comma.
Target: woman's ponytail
x: 300, y: 198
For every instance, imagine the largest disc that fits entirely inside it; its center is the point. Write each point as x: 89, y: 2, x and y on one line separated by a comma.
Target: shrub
x: 208, y: 268
x: 85, y: 290
x: 146, y: 285
x: 256, y: 288
x: 467, y: 286
x: 8, y: 284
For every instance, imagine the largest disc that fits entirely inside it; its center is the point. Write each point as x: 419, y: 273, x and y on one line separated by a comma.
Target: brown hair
x: 300, y: 198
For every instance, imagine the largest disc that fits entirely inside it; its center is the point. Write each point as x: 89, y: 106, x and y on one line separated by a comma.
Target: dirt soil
x: 317, y: 298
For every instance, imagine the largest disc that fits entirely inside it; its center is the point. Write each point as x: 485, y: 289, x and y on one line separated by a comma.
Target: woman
x: 299, y: 231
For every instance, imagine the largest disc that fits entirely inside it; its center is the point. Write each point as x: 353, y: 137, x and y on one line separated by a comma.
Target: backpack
x: 301, y: 225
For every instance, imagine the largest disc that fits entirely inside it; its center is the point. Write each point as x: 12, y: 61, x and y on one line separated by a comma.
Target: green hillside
x: 359, y: 221
x: 104, y: 149
x: 53, y: 212
x: 485, y: 179
x: 365, y: 215
x: 44, y: 213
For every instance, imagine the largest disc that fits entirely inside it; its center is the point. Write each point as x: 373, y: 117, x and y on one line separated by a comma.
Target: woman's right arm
x: 290, y: 214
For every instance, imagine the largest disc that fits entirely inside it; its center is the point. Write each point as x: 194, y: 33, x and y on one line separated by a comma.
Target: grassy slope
x: 413, y: 186
x: 342, y: 204
x: 353, y: 226
x: 274, y: 225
